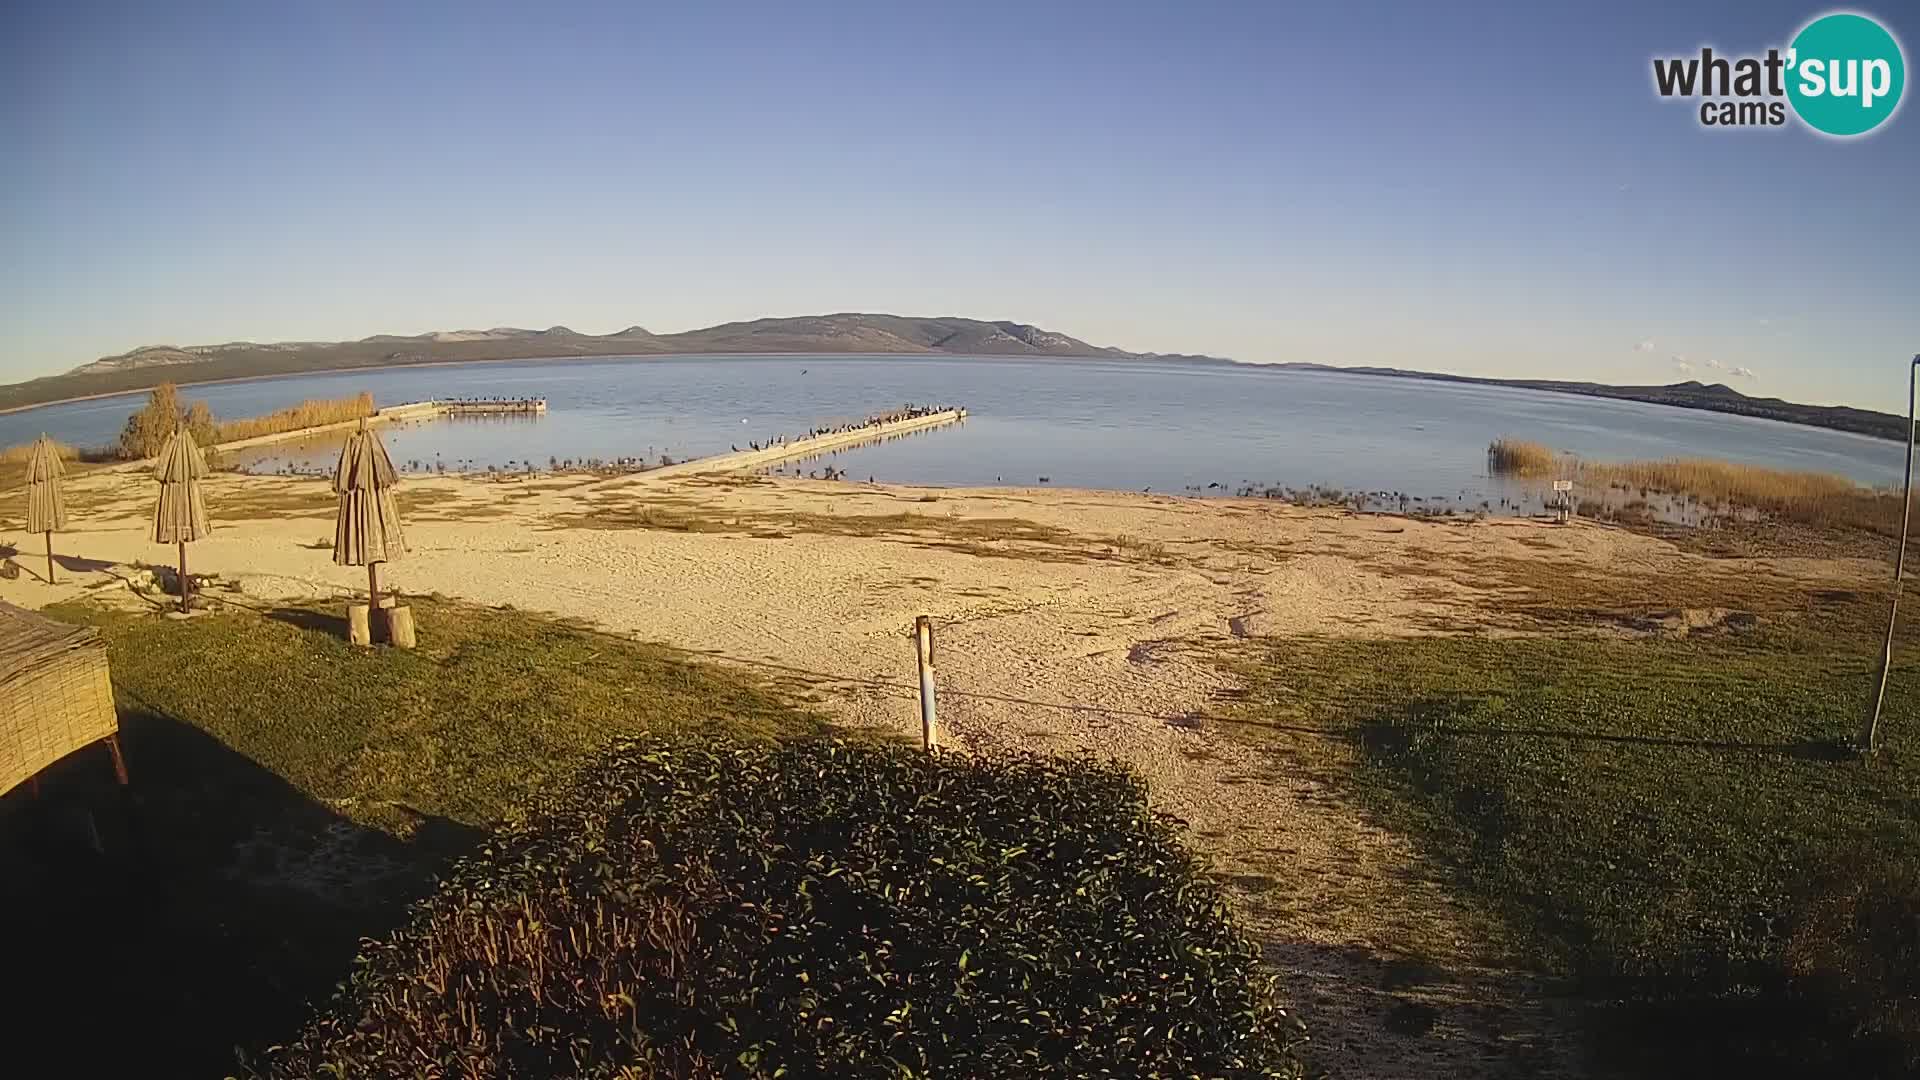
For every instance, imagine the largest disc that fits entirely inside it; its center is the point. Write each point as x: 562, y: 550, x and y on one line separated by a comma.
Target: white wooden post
x: 1870, y: 728
x: 923, y: 650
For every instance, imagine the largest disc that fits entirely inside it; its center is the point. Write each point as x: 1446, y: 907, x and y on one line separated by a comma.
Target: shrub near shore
x: 147, y: 429
x: 816, y: 909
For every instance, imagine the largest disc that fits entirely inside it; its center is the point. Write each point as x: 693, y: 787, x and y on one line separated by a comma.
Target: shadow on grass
x: 1694, y: 1031
x: 1391, y: 737
x: 310, y: 619
x: 205, y: 908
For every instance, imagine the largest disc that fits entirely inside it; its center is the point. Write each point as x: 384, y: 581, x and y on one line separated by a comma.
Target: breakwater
x: 807, y: 446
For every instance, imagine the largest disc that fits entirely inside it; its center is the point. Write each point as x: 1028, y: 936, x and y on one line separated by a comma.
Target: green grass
x: 493, y: 705
x: 1663, y: 820
x: 292, y: 793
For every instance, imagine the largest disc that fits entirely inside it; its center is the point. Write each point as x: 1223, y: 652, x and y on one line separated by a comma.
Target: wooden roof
x: 29, y: 639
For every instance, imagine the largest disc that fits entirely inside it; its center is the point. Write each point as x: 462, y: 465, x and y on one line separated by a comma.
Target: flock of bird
x: 905, y: 412
x: 1313, y: 495
x: 625, y: 464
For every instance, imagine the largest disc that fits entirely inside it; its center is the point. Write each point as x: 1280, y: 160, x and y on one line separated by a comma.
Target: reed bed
x: 1809, y: 498
x: 16, y: 456
x: 1517, y: 457
x: 307, y: 414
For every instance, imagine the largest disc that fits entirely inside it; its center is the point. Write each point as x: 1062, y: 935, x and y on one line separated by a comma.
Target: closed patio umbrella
x: 181, y: 514
x: 46, y: 502
x: 367, y: 532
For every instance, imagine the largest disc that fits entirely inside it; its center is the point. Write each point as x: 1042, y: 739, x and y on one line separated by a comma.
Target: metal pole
x: 923, y: 641
x: 1870, y: 731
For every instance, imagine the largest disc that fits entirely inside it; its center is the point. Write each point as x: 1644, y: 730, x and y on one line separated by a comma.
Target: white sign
x: 1563, y: 485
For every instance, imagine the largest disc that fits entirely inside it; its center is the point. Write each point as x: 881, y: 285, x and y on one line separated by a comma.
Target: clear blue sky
x: 1484, y: 188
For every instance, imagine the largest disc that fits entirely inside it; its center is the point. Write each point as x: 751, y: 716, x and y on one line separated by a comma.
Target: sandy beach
x: 1067, y: 621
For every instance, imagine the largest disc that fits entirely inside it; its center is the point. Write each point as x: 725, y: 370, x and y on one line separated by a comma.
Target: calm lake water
x: 1171, y: 427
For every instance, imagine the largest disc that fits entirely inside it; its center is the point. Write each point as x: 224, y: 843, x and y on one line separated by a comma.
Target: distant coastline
x: 844, y: 334
x: 1706, y: 397
x: 189, y: 383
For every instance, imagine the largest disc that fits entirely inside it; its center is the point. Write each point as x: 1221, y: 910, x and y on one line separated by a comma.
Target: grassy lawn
x: 1673, y: 823
x: 291, y: 795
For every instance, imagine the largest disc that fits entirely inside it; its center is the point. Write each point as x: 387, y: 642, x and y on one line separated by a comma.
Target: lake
x: 1168, y: 426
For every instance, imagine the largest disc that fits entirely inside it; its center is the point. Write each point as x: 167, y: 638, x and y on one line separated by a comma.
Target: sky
x: 1490, y: 189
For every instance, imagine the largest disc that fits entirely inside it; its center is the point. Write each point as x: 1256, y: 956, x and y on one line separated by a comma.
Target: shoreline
x: 623, y: 357
x: 1597, y: 392
x: 735, y: 461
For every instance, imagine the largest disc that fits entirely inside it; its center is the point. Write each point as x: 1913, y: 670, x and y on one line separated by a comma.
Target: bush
x: 815, y: 909
x: 199, y: 423
x: 146, y: 431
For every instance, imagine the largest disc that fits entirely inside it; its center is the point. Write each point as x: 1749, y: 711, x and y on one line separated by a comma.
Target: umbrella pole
x: 183, y: 576
x: 373, y: 585
x: 49, y: 556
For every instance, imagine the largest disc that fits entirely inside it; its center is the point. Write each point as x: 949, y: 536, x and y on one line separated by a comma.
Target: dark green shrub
x: 816, y: 909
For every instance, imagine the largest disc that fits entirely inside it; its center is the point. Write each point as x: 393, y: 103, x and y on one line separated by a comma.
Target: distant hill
x: 1692, y: 394
x: 843, y: 333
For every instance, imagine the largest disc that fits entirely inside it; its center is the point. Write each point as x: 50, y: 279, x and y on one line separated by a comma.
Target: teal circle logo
x: 1845, y: 73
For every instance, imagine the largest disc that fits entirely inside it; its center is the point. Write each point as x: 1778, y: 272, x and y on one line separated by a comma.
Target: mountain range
x: 840, y: 333
x: 149, y: 365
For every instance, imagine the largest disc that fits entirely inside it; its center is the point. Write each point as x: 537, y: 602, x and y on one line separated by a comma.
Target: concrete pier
x: 492, y: 406
x: 799, y: 448
x: 717, y: 463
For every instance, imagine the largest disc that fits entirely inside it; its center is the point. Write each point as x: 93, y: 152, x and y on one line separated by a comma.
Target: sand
x: 1095, y: 628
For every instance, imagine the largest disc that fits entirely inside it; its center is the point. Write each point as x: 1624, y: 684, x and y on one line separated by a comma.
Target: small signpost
x: 1562, y: 501
x: 923, y: 650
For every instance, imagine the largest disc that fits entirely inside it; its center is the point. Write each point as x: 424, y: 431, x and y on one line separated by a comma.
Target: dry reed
x: 15, y: 456
x: 304, y: 415
x: 1809, y: 498
x: 1517, y: 457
